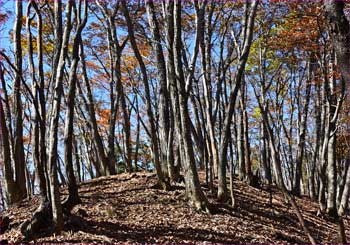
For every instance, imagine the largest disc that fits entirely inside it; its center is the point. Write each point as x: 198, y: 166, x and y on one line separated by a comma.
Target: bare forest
x: 174, y: 121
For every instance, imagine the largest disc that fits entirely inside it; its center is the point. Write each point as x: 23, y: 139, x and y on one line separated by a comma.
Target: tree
x: 73, y: 197
x: 243, y: 52
x: 162, y: 181
x: 339, y: 31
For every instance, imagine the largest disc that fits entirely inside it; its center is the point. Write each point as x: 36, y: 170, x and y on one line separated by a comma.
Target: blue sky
x: 6, y: 5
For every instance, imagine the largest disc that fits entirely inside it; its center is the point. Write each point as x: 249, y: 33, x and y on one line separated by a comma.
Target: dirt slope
x: 126, y: 209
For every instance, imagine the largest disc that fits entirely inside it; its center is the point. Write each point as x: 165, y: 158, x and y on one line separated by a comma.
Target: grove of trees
x: 256, y: 90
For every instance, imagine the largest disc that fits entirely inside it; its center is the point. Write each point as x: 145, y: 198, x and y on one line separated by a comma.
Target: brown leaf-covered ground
x: 128, y: 209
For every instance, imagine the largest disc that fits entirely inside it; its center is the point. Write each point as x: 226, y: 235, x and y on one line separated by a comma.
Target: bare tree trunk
x: 137, y: 136
x: 18, y: 153
x: 247, y: 159
x: 339, y: 32
x: 9, y: 182
x: 53, y: 128
x: 102, y: 168
x: 164, y: 98
x: 73, y: 197
x: 302, y: 134
x: 279, y: 177
x: 222, y: 188
x: 162, y: 181
x: 171, y: 83
x: 241, y: 149
x: 193, y: 189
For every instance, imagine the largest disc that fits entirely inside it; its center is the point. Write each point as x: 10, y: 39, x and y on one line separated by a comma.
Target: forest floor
x: 125, y: 208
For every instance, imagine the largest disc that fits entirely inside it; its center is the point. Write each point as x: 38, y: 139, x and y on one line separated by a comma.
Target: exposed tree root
x: 4, y: 223
x: 42, y: 218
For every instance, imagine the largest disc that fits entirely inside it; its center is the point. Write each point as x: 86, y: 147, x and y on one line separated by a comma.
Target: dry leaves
x: 126, y: 209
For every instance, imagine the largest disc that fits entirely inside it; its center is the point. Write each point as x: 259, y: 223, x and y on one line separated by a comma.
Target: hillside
x: 127, y: 209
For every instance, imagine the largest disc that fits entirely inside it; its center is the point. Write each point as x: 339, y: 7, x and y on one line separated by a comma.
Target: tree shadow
x: 142, y: 234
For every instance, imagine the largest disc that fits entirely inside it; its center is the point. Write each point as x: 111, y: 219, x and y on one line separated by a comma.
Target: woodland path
x: 127, y: 209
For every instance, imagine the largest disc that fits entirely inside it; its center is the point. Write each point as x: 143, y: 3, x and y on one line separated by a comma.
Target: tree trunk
x: 9, y: 182
x: 162, y: 181
x: 302, y: 134
x: 53, y: 126
x: 101, y: 169
x: 339, y: 32
x: 73, y: 197
x: 164, y: 98
x: 222, y: 188
x: 171, y: 82
x: 18, y: 153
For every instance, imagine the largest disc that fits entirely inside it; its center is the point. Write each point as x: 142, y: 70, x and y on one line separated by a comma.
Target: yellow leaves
x: 257, y: 113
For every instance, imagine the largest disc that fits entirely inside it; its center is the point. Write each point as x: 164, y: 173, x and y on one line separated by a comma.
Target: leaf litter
x: 126, y: 208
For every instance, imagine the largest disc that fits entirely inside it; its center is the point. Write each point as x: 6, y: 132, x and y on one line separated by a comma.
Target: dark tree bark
x: 193, y: 188
x: 171, y: 83
x: 339, y: 32
x: 9, y: 182
x: 18, y: 152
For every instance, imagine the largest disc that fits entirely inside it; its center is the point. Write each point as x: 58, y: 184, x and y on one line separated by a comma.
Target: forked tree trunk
x: 302, y: 134
x: 193, y: 188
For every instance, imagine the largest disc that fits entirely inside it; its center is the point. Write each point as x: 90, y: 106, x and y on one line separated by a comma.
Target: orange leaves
x: 300, y: 29
x: 26, y: 139
x: 92, y: 65
x: 103, y: 115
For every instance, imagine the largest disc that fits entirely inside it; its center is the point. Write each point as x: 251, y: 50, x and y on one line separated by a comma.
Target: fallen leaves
x: 125, y: 209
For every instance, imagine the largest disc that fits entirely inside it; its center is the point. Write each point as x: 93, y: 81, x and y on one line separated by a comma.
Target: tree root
x: 41, y: 218
x: 4, y: 223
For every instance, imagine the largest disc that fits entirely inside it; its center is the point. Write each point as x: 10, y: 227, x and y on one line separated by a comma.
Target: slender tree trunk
x: 222, y: 188
x: 302, y: 135
x: 171, y: 83
x: 53, y: 128
x: 162, y: 181
x: 164, y: 98
x: 9, y: 182
x: 19, y: 161
x: 241, y: 149
x: 102, y: 168
x: 73, y: 197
